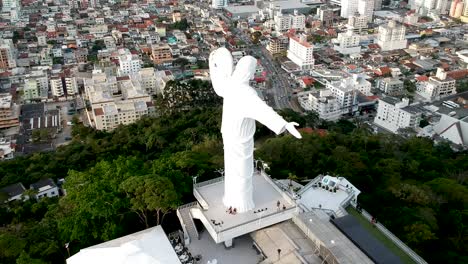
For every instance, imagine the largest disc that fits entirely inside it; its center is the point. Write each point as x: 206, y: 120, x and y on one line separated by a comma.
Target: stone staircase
x: 186, y: 220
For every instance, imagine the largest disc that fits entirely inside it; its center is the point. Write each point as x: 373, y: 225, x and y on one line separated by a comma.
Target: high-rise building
x: 348, y: 8
x: 363, y: 7
x: 326, y: 15
x: 456, y: 9
x: 424, y: 7
x: 366, y: 8
x: 377, y: 4
x: 301, y: 52
x: 347, y: 43
x: 345, y: 94
x: 7, y: 54
x: 392, y: 36
x: 128, y: 63
x: 218, y: 4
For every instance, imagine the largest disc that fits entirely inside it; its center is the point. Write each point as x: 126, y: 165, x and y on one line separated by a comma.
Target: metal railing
x: 192, y: 204
x: 258, y: 219
x: 205, y: 183
x: 413, y: 255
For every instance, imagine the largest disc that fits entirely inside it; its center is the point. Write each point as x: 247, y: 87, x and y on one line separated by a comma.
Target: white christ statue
x: 241, y: 107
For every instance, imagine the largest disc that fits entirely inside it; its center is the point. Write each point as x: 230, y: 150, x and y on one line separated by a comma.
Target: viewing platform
x: 223, y: 226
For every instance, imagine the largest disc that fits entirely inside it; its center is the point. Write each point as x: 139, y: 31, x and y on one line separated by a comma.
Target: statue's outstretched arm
x: 260, y: 111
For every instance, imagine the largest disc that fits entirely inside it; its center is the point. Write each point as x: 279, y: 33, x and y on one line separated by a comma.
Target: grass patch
x: 380, y: 236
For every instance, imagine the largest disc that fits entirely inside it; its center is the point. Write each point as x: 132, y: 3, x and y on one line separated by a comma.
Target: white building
x: 116, y: 100
x: 61, y: 86
x: 392, y: 36
x: 45, y: 188
x: 366, y: 8
x: 424, y: 7
x: 322, y: 102
x: 357, y: 22
x: 285, y: 22
x: 347, y: 43
x: 345, y: 94
x: 149, y: 81
x: 390, y: 86
x: 128, y: 63
x: 301, y: 52
x: 218, y: 4
x: 453, y: 129
x: 8, y: 5
x: 438, y: 86
x: 348, y: 8
x: 393, y: 114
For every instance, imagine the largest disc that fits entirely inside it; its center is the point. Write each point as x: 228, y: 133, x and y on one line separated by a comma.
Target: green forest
x: 123, y: 181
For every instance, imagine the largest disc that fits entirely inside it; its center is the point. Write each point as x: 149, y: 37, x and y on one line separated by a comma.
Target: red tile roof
x: 422, y: 78
x: 98, y: 111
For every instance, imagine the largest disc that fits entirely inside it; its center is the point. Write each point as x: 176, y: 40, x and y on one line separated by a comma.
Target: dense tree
x: 120, y: 182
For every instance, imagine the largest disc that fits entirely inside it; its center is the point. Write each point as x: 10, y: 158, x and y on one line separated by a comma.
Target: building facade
x: 392, y: 36
x: 301, y: 52
x: 347, y: 43
x: 394, y: 115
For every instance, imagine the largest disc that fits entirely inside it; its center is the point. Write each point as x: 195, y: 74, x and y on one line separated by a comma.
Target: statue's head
x: 221, y: 67
x: 245, y: 69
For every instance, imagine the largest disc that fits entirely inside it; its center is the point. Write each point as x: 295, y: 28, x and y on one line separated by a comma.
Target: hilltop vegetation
x: 115, y: 182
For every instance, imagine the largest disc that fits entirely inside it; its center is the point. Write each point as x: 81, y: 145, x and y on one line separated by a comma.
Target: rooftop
x: 13, y: 190
x: 148, y: 246
x: 266, y: 195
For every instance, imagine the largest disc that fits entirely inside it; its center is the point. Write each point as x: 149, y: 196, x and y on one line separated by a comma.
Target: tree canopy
x: 123, y: 181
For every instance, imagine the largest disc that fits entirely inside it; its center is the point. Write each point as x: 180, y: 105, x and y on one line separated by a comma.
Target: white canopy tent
x: 150, y: 246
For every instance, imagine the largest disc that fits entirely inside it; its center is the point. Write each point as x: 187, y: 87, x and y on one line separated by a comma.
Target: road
x: 278, y: 81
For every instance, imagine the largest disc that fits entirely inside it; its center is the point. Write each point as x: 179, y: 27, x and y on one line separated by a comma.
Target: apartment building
x: 148, y: 80
x: 161, y: 53
x: 390, y: 86
x: 285, y: 22
x: 301, y: 52
x: 366, y: 8
x: 393, y: 114
x: 128, y: 63
x: 9, y: 112
x: 36, y: 86
x: 357, y: 22
x: 277, y: 44
x: 7, y: 54
x: 438, y: 86
x: 347, y: 43
x: 392, y: 36
x: 322, y: 102
x: 63, y: 86
x: 346, y: 95
x: 116, y: 100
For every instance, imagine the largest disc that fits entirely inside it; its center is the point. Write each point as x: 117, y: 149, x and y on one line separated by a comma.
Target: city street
x: 278, y: 81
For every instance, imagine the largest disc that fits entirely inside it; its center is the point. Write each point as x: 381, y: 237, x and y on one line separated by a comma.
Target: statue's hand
x: 292, y: 130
